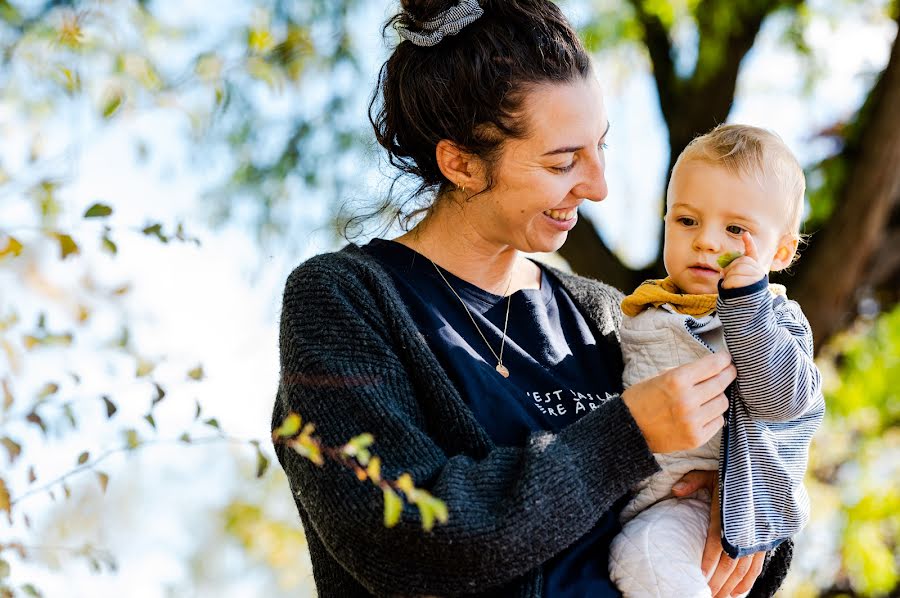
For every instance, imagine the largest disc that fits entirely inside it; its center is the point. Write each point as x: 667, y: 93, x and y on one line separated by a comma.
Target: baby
x: 737, y: 190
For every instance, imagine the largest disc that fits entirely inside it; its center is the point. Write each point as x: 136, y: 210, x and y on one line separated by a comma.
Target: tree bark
x: 841, y: 262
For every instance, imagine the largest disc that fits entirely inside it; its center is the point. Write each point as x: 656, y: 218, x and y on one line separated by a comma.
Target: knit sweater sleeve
x: 344, y: 368
x: 771, y: 344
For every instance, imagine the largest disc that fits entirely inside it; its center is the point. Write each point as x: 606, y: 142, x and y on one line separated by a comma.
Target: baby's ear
x: 784, y: 255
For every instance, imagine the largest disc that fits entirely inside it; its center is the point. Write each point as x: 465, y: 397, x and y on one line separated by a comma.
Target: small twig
x: 126, y: 448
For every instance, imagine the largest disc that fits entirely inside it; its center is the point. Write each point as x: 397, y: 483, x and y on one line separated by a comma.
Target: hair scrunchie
x: 448, y: 22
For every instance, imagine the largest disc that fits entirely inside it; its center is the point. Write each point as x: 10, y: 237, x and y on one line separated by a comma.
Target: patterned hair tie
x: 449, y: 22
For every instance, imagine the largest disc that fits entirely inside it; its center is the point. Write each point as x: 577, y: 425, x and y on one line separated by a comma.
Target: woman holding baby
x: 495, y: 381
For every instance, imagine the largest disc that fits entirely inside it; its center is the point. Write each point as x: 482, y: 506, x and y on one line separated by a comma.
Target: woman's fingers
x: 724, y: 569
x: 705, y: 368
x: 750, y: 578
x: 714, y: 386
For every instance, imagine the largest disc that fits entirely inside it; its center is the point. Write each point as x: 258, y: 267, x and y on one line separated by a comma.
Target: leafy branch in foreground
x: 355, y: 454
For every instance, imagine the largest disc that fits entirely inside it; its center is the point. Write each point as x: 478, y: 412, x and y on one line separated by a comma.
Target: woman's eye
x: 564, y: 168
x: 735, y: 230
x: 686, y: 221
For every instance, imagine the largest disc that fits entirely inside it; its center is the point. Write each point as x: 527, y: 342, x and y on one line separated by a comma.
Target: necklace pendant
x: 501, y: 369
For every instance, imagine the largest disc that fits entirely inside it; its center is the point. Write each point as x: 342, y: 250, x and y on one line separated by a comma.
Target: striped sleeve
x: 771, y: 344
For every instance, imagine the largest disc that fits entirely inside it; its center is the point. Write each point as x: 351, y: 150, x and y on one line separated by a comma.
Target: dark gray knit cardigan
x: 352, y: 361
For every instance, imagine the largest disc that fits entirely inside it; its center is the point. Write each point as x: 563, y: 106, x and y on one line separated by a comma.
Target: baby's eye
x: 735, y: 229
x: 686, y: 221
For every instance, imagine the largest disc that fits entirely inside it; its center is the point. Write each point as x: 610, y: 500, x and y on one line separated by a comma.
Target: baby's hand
x: 745, y: 270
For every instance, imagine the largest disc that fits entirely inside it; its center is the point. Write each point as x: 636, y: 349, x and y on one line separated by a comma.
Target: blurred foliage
x: 855, y: 461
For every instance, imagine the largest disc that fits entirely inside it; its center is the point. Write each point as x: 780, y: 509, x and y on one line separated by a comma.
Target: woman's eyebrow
x: 574, y: 148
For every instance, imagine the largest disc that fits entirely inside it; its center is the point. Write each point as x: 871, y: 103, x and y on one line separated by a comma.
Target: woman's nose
x: 593, y: 187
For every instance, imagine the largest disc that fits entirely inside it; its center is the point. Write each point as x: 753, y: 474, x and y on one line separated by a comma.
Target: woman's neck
x: 450, y: 241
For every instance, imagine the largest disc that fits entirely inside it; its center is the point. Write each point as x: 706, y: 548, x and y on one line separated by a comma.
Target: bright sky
x: 218, y: 304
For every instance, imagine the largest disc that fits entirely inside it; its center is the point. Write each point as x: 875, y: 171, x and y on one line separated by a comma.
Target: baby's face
x: 709, y: 209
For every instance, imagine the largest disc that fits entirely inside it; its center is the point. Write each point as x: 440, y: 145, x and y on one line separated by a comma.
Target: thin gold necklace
x: 501, y: 369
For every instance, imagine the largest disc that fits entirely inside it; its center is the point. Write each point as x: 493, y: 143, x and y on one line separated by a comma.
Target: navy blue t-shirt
x: 559, y: 371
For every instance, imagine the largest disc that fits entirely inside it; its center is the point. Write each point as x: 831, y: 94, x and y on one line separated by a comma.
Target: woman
x: 494, y: 381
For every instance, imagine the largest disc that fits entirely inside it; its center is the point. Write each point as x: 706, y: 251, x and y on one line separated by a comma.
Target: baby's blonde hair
x: 751, y: 152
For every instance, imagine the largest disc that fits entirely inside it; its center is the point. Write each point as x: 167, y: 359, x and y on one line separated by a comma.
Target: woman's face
x: 540, y: 181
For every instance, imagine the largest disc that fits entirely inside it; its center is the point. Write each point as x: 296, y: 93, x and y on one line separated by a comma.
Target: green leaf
x: 112, y: 104
x: 70, y: 415
x: 289, y: 427
x: 160, y: 394
x: 110, y: 407
x: 31, y: 590
x: 150, y: 420
x: 4, y: 569
x: 185, y: 438
x: 212, y: 423
x: 196, y: 373
x: 83, y: 458
x: 393, y: 507
x: 155, y: 230
x: 132, y: 440
x: 109, y: 246
x: 262, y: 463
x: 98, y: 210
x: 726, y: 258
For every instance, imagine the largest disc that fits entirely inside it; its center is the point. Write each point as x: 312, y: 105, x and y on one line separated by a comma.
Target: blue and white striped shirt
x: 775, y: 407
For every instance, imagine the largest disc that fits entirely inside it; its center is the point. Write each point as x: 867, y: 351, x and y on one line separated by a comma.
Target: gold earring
x: 461, y: 187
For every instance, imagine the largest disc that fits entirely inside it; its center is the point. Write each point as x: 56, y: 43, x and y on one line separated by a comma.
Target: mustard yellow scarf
x: 659, y: 292
x: 656, y: 293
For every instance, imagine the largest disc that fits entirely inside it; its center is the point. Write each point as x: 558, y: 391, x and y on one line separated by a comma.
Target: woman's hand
x: 682, y: 408
x: 727, y: 576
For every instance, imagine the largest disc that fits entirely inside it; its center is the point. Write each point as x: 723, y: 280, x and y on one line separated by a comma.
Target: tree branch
x: 588, y: 255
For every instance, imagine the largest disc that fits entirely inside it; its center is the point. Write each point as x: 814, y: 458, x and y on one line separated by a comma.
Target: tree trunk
x: 841, y: 262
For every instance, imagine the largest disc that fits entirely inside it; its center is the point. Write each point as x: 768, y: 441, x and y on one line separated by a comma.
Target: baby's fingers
x: 749, y: 246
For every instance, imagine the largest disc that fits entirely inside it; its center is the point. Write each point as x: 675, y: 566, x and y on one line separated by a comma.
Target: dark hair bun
x: 419, y: 11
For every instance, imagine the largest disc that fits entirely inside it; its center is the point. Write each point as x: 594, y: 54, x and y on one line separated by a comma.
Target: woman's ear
x: 462, y: 169
x: 784, y: 255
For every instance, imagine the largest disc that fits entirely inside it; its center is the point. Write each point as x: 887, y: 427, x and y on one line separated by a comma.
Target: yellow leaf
x: 70, y: 32
x: 393, y: 507
x: 374, y: 469
x: 289, y: 426
x: 12, y: 248
x: 104, y: 480
x: 5, y: 500
x: 12, y: 447
x: 7, y: 395
x: 50, y: 388
x: 405, y: 483
x: 144, y: 367
x: 67, y: 245
x: 427, y: 516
